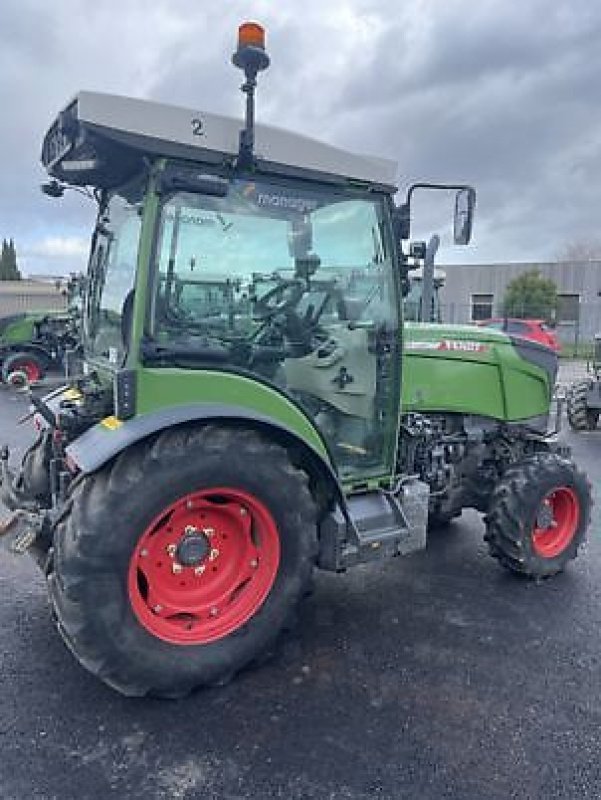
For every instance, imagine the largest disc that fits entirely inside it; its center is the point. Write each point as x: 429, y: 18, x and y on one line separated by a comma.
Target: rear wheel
x: 20, y: 370
x: 180, y: 563
x: 580, y: 417
x: 538, y: 515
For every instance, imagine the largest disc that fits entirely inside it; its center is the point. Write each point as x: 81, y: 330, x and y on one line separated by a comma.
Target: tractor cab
x: 284, y: 272
x: 282, y: 267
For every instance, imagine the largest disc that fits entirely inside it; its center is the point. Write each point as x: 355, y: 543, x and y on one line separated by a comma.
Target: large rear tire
x: 182, y: 561
x: 538, y: 515
x: 580, y: 417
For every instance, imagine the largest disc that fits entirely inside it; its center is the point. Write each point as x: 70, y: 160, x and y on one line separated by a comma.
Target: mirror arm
x: 403, y: 212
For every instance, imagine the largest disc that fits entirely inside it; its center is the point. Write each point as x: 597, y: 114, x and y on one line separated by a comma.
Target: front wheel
x: 538, y: 515
x: 182, y: 561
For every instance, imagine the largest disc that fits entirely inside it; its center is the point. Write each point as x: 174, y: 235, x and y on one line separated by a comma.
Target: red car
x: 535, y: 329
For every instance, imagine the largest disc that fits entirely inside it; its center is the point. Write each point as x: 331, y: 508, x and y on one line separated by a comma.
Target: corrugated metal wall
x: 582, y: 278
x: 30, y: 298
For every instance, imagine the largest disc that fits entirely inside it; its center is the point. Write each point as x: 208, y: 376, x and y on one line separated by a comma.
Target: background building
x: 475, y: 291
x: 32, y: 295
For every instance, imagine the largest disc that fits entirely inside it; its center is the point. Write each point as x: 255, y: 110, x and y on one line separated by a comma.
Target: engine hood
x: 474, y: 370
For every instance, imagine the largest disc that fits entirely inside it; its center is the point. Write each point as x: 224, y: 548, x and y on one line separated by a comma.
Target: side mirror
x: 465, y: 203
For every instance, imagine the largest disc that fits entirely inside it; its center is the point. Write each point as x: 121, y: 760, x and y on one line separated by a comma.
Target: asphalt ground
x: 435, y: 676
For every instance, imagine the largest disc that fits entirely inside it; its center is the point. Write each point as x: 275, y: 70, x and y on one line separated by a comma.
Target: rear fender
x: 104, y: 441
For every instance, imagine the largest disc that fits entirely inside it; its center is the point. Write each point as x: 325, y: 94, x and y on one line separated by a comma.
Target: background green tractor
x: 246, y: 412
x: 31, y: 343
x: 584, y: 397
x: 26, y: 346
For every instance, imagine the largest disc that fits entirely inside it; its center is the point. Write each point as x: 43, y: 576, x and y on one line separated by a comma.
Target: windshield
x: 293, y: 284
x: 111, y: 275
x: 218, y: 257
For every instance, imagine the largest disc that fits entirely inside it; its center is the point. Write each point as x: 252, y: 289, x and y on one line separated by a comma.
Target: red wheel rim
x: 30, y: 368
x: 204, y: 566
x: 557, y: 522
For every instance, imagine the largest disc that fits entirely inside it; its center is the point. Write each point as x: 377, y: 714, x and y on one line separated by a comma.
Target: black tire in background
x: 580, y: 417
x: 538, y: 515
x: 111, y: 510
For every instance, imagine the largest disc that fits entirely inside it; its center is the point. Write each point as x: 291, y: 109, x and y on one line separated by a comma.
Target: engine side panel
x: 460, y: 369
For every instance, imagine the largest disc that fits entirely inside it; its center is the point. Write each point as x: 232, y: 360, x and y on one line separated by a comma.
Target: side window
x: 481, y: 307
x: 114, y: 259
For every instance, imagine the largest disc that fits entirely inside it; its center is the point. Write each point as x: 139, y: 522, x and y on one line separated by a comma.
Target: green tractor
x: 584, y: 397
x: 239, y: 420
x: 31, y: 343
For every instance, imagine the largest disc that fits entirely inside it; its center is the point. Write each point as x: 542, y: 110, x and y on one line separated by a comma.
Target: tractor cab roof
x: 102, y: 140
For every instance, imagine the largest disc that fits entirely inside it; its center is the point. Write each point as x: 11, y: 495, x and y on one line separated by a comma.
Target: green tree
x: 9, y: 271
x: 531, y: 296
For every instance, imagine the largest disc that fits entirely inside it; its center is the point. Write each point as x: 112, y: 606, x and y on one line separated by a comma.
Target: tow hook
x: 20, y: 531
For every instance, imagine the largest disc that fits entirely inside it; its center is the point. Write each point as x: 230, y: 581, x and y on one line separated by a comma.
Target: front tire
x: 538, y: 515
x: 580, y: 417
x: 182, y: 561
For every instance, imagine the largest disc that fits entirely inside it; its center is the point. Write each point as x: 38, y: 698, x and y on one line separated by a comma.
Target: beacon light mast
x: 251, y: 57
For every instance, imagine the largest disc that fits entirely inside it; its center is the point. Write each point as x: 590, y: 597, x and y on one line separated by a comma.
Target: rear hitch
x: 11, y: 495
x: 20, y: 531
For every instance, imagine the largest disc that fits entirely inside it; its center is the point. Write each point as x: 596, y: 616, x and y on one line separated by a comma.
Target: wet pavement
x: 434, y: 676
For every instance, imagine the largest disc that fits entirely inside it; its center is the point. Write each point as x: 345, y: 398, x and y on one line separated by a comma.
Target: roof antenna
x: 252, y: 58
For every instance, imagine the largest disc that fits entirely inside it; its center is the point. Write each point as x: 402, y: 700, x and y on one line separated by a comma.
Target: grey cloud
x: 503, y: 95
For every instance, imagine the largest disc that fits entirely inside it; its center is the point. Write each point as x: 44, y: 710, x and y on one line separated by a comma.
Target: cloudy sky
x: 503, y: 94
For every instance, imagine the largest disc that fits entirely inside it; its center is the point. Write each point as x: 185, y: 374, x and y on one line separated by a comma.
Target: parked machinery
x: 584, y: 396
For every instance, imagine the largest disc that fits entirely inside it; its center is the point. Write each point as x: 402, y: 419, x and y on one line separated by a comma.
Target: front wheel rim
x: 557, y: 522
x: 204, y: 566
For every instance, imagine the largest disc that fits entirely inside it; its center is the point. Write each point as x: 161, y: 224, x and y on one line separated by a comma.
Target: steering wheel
x: 283, y: 297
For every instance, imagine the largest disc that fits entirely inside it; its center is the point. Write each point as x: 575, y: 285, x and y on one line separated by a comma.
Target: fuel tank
x: 478, y: 371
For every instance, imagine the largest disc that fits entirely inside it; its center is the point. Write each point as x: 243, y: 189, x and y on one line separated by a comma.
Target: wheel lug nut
x: 199, y: 569
x: 176, y: 568
x: 171, y: 548
x: 213, y: 554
